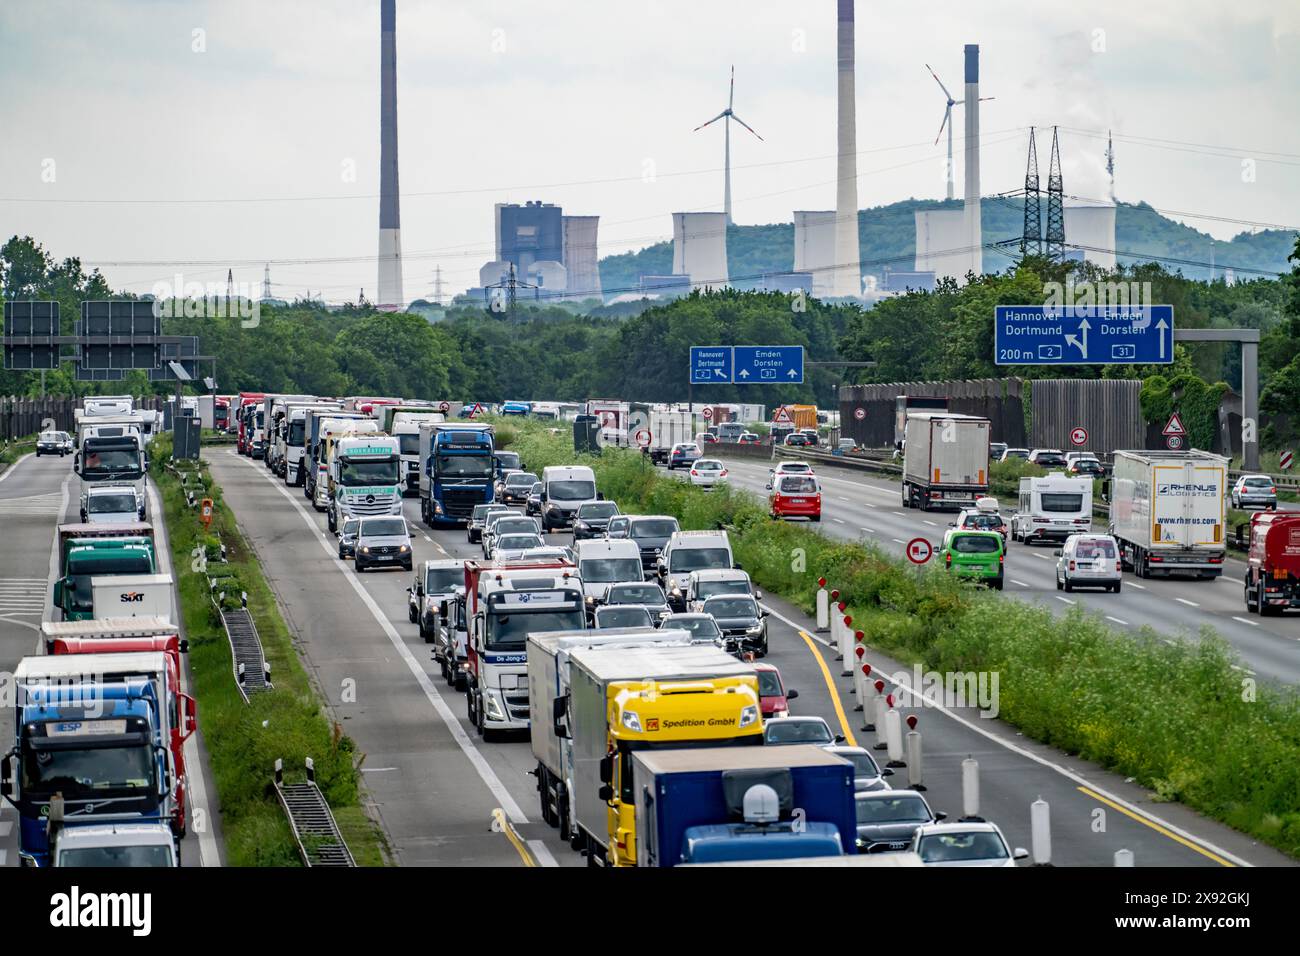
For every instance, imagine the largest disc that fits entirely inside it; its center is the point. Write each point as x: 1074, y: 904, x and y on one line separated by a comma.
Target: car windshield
x: 654, y: 528
x: 798, y: 732
x: 1061, y: 503
x: 863, y: 763
x: 699, y: 559
x: 377, y: 527
x: 731, y: 607
x: 707, y: 589
x: 955, y: 847
x: 892, y: 809
x: 508, y: 459
x: 571, y: 490
x: 983, y: 521
x: 518, y: 542
x: 115, y: 856
x: 598, y: 509
x: 629, y: 616
x: 1094, y: 548
x: 374, y: 471
x: 515, y: 525
x: 699, y: 626
x: 49, y: 436
x: 609, y: 570
x: 110, y: 504
x: 481, y: 511
x: 351, y: 527
x: 443, y: 580
x: 975, y: 544
x: 296, y: 431
x: 536, y: 489
x: 521, y: 480
x: 798, y: 485
x: 769, y: 684
x: 637, y: 594
x: 464, y: 466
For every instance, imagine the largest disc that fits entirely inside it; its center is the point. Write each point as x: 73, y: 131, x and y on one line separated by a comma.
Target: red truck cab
x: 184, y: 718
x: 795, y: 496
x: 244, y: 439
x: 1273, y: 562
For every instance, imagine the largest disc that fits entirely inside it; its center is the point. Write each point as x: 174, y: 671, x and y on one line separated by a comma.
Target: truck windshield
x: 109, y: 461
x: 297, y: 431
x: 110, y: 504
x: 1062, y: 503
x: 507, y: 632
x: 409, y: 443
x: 700, y: 559
x: 149, y: 855
x: 86, y: 771
x: 610, y: 570
x: 465, y: 466
x: 368, y: 471
x: 571, y: 490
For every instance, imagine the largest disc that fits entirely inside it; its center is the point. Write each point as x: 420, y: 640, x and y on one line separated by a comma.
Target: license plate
x: 384, y: 557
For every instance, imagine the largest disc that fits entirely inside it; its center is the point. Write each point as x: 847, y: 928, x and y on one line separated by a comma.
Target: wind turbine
x: 728, y: 114
x: 947, y: 121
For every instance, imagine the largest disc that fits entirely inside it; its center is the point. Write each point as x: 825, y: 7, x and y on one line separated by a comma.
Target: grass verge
x: 14, y: 449
x: 244, y: 740
x: 1177, y: 718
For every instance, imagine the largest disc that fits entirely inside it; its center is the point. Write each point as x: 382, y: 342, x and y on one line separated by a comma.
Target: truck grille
x: 517, y: 705
x: 360, y: 506
x: 460, y: 502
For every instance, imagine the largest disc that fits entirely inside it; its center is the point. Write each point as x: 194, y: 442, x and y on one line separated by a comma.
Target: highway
x: 435, y: 786
x: 37, y: 495
x: 857, y: 507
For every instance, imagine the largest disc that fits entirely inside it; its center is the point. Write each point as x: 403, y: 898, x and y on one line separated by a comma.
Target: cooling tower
x: 941, y: 243
x: 580, y: 257
x: 390, y: 240
x: 814, y: 249
x: 493, y: 272
x: 848, y: 275
x: 550, y: 277
x: 700, y: 248
x: 973, y: 237
x: 1091, y: 228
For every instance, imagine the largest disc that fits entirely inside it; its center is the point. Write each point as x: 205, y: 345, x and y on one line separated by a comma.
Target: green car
x: 976, y: 554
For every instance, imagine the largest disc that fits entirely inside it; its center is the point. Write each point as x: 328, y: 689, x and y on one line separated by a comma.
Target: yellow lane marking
x: 830, y: 685
x: 1157, y: 827
x: 501, y: 823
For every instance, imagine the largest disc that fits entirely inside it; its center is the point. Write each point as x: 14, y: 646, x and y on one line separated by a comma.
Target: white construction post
x: 894, y: 738
x: 970, y: 791
x: 823, y: 606
x: 846, y: 646
x: 914, y: 756
x: 875, y: 688
x: 861, y: 672
x: 1124, y: 858
x: 837, y: 622
x: 1040, y: 825
x: 883, y: 703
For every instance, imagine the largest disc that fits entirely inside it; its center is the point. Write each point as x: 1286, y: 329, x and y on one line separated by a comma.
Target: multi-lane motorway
x: 37, y: 495
x: 436, y: 787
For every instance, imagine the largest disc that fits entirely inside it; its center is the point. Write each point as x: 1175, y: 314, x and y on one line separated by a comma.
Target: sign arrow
x: 1082, y: 346
x: 720, y: 373
x: 744, y: 373
x: 792, y: 373
x: 1162, y: 325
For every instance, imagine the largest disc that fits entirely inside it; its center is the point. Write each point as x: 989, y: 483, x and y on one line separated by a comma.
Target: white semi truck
x: 364, y: 478
x: 945, y: 460
x: 1167, y: 510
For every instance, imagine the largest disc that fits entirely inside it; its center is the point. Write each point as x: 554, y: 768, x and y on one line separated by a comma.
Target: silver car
x: 1089, y: 561
x: 965, y: 844
x: 383, y: 543
x: 1254, y: 491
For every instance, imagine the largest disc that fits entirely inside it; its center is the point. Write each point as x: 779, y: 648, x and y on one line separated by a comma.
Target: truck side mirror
x: 600, y: 496
x: 191, y: 714
x: 6, y: 776
x: 58, y: 591
x: 606, y: 793
x: 607, y: 769
x: 1105, y: 490
x: 443, y: 610
x: 185, y: 645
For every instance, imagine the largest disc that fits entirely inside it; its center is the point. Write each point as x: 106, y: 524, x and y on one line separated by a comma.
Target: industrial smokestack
x: 390, y: 240
x: 848, y: 273
x: 971, y: 209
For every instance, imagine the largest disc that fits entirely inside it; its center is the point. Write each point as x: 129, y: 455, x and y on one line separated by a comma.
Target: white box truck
x: 132, y: 595
x: 945, y: 460
x: 1167, y: 510
x: 666, y: 428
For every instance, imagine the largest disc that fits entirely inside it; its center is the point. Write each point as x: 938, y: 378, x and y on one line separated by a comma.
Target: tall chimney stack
x: 848, y: 273
x: 971, y: 210
x: 390, y: 240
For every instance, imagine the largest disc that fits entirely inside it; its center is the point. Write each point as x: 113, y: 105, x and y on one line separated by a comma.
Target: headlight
x: 404, y: 548
x: 430, y: 604
x: 749, y: 715
x: 365, y: 550
x: 756, y: 629
x: 437, y: 507
x: 632, y: 721
x: 494, y: 707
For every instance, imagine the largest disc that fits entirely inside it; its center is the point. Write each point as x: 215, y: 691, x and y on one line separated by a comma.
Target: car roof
x: 720, y: 574
x: 764, y: 666
x: 932, y: 829
x: 882, y: 794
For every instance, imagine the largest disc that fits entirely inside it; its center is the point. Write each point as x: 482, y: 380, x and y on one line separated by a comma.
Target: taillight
x: 694, y: 472
x: 723, y: 473
x: 1272, y: 491
x: 1002, y: 559
x: 948, y: 560
x: 1119, y: 567
x: 1071, y: 565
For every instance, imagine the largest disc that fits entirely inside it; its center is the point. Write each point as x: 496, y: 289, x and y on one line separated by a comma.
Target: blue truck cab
x: 99, y: 745
x: 723, y: 804
x: 458, y: 471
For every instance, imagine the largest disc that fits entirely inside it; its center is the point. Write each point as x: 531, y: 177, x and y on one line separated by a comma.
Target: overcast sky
x: 171, y: 115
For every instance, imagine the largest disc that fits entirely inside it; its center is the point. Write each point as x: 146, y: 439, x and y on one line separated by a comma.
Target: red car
x: 773, y: 697
x: 795, y: 496
x: 750, y: 438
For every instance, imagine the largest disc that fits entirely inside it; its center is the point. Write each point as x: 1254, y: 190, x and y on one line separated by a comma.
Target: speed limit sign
x: 1079, y: 436
x: 859, y: 413
x: 708, y: 413
x: 1174, y: 442
x: 444, y: 407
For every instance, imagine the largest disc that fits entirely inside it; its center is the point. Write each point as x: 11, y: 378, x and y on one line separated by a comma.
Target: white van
x: 564, y: 489
x: 689, y: 551
x: 1052, y: 508
x: 604, y: 562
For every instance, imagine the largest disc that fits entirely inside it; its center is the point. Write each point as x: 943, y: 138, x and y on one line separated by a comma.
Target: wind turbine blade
x: 714, y: 120
x: 983, y: 98
x: 946, y: 114
x: 731, y: 96
x: 939, y: 81
x: 744, y: 124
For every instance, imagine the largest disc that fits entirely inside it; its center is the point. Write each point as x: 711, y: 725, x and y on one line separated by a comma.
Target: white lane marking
x: 1117, y: 620
x: 1246, y: 620
x: 868, y: 530
x: 933, y: 704
x: 1187, y: 602
x: 1140, y: 587
x: 1042, y: 557
x: 899, y: 541
x: 1021, y: 583
x: 542, y: 852
x: 900, y: 514
x: 849, y: 500
x: 472, y: 753
x: 838, y: 520
x: 1242, y: 670
x: 378, y: 769
x: 929, y: 522
x: 426, y: 537
x: 209, y: 852
x: 1065, y: 599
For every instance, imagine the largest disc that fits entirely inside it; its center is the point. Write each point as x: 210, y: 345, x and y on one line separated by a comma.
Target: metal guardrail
x: 252, y: 672
x: 319, y: 841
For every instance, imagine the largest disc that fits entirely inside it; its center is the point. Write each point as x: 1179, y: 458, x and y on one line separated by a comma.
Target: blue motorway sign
x: 769, y: 364
x: 711, y: 364
x: 1084, y: 335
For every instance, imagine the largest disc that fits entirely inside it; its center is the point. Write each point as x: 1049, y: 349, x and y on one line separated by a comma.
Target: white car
x: 1089, y: 561
x: 509, y: 547
x: 964, y: 844
x: 793, y: 467
x: 707, y: 472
